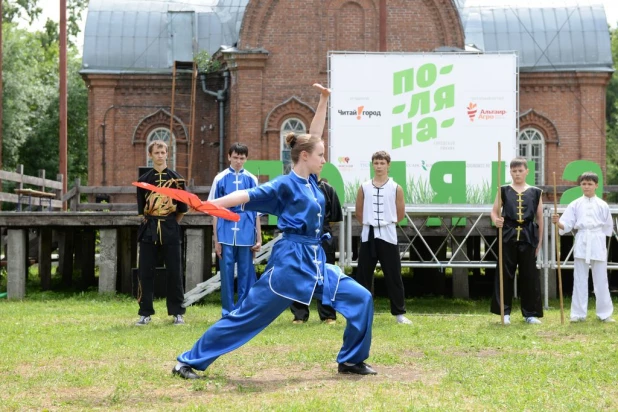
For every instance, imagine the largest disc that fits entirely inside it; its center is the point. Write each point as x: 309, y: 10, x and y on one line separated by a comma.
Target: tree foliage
x: 31, y: 100
x: 28, y: 10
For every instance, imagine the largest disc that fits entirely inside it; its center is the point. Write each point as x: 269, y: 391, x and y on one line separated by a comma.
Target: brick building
x: 272, y: 50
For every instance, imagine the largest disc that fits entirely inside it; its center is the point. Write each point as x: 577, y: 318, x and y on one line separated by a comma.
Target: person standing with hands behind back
x: 235, y: 242
x: 591, y: 217
x: 521, y: 206
x: 160, y: 233
x: 379, y: 206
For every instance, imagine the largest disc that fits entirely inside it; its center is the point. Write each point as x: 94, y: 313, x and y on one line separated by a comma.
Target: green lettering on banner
x: 505, y: 176
x: 273, y: 168
x: 572, y: 171
x: 397, y: 171
x: 402, y: 135
x: 420, y: 103
x: 427, y: 129
x: 268, y: 168
x: 444, y: 97
x: 333, y: 176
x: 403, y: 81
x: 426, y: 75
x: 445, y: 192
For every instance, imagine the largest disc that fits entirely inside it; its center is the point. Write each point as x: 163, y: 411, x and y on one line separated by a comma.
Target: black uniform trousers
x: 148, y: 253
x: 378, y: 250
x: 519, y: 255
x: 301, y: 311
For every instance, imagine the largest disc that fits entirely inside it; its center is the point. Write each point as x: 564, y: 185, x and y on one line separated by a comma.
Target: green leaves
x: 31, y: 104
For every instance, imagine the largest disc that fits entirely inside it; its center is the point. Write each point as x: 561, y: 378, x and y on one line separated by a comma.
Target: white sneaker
x: 507, y: 319
x: 576, y: 319
x: 403, y: 320
x: 143, y: 321
x: 608, y: 320
x: 533, y: 321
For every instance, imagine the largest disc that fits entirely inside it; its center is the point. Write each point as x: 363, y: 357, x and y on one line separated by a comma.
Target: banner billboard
x: 438, y: 115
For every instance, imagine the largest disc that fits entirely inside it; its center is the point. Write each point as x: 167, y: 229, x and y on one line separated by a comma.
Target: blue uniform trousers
x: 246, y: 275
x: 262, y: 306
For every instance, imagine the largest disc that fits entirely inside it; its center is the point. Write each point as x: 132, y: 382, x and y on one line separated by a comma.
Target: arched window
x: 289, y: 125
x: 163, y: 133
x: 531, y: 145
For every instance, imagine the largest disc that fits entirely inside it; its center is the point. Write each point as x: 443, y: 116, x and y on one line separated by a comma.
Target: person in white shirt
x: 379, y: 206
x: 591, y: 218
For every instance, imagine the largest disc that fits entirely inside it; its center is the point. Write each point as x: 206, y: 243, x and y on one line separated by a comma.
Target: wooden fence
x: 40, y: 186
x: 74, y: 197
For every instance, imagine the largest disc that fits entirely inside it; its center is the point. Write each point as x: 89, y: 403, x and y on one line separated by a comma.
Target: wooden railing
x: 38, y: 184
x: 74, y: 195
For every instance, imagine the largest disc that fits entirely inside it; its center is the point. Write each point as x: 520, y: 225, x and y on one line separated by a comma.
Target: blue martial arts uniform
x: 236, y: 239
x: 296, y: 271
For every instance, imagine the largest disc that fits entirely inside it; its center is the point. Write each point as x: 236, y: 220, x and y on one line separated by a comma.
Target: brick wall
x: 282, y: 51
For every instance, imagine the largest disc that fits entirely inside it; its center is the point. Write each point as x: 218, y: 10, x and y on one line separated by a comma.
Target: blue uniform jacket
x: 297, y: 263
x: 241, y: 233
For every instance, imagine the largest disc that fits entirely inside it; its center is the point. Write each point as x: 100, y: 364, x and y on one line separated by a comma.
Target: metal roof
x: 148, y: 35
x: 124, y: 36
x: 548, y: 35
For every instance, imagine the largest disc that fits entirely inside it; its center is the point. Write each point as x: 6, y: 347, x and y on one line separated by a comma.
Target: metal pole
x: 63, y: 153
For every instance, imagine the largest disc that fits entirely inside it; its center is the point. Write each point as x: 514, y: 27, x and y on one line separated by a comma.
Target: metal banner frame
x: 417, y: 217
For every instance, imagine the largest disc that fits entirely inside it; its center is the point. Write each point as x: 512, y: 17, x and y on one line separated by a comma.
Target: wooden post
x: 500, y: 268
x: 461, y: 287
x: 65, y: 255
x: 58, y: 192
x: 557, y: 237
x: 108, y: 260
x: 87, y: 259
x: 75, y: 200
x: 45, y: 249
x: 126, y: 260
x: 196, y: 256
x: 16, y: 263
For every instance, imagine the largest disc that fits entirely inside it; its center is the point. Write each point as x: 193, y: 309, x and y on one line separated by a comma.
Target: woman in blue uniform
x: 296, y: 270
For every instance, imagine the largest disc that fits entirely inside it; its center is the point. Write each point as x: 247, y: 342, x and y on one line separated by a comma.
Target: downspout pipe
x: 221, y: 97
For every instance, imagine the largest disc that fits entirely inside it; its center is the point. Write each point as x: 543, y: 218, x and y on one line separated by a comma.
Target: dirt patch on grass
x: 482, y: 353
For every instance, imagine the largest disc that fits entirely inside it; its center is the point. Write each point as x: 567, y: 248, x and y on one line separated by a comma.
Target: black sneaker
x: 358, y: 369
x: 143, y: 321
x: 185, y: 372
x: 178, y: 320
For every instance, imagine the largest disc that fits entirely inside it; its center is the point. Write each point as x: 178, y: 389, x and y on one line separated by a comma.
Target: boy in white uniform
x: 591, y: 217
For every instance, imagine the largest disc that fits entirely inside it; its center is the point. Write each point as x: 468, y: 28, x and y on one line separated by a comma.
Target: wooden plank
x: 119, y: 190
x: 97, y: 219
x: 112, y: 190
x: 30, y: 180
x: 34, y: 193
x: 108, y: 206
x: 13, y: 198
x: 68, y: 195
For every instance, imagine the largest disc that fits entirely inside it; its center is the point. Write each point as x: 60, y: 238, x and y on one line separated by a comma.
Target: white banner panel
x: 440, y: 115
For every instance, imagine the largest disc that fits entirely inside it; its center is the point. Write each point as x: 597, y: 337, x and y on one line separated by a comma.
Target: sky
x: 51, y: 9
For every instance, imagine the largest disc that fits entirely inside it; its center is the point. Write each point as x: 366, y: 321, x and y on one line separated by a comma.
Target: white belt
x: 588, y: 234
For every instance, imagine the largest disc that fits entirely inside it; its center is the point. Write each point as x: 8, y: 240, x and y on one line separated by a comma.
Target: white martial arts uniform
x: 591, y: 218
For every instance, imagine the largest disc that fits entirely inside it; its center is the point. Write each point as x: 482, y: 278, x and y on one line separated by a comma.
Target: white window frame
x: 291, y: 124
x: 163, y: 133
x: 531, y: 137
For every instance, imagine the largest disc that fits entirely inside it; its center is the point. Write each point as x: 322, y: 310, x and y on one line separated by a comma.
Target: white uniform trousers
x: 579, y: 304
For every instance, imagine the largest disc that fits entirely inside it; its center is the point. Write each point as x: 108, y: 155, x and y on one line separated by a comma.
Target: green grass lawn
x: 82, y: 352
